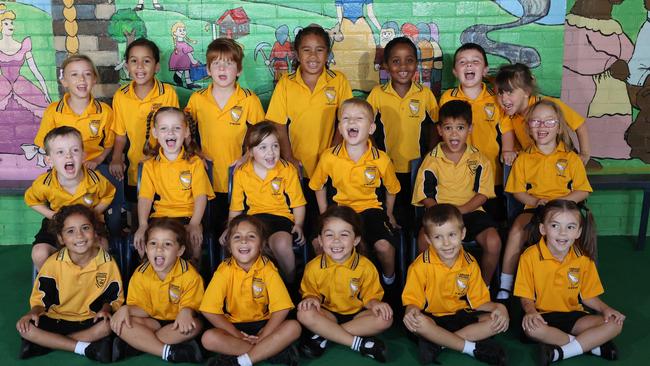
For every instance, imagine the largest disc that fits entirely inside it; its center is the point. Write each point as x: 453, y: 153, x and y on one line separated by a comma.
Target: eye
x: 554, y: 226
x: 572, y: 227
x: 69, y: 231
x: 169, y: 244
x: 86, y: 228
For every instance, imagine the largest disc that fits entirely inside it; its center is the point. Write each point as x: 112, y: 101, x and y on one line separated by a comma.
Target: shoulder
x: 95, y: 177
x: 530, y: 253
x: 26, y: 44
x: 377, y: 91
x: 167, y: 88
x: 314, y: 264
x: 448, y: 95
x: 102, y: 107
x: 44, y: 179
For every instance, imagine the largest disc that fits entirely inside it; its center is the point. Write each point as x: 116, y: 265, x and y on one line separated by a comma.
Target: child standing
x: 268, y: 187
x: 341, y: 291
x: 405, y: 113
x: 545, y: 171
x: 223, y: 112
x: 445, y: 283
x: 247, y: 303
x: 458, y: 173
x: 68, y: 182
x: 357, y: 171
x: 132, y: 103
x: 175, y: 175
x: 555, y: 278
x: 516, y: 93
x: 160, y: 315
x: 74, y: 293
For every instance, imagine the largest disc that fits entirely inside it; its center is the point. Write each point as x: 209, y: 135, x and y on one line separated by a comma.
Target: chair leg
x: 643, y: 226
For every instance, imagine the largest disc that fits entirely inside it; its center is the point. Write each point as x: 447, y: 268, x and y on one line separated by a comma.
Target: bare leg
x: 592, y: 331
x: 220, y: 341
x: 516, y: 240
x: 490, y: 241
x: 366, y: 324
x: 281, y: 338
x: 67, y: 343
x: 324, y: 324
x: 386, y: 257
x: 40, y: 253
x: 281, y: 244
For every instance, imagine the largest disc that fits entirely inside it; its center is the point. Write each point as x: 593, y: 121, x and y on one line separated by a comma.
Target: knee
x: 293, y: 329
x: 210, y: 338
x: 383, y: 247
x: 307, y: 317
x: 40, y: 253
x: 537, y: 333
x: 615, y: 328
x: 102, y: 329
x: 384, y: 324
x: 493, y: 243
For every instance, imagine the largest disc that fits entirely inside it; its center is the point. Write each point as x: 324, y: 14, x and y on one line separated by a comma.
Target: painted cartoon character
x: 182, y: 58
x: 388, y: 31
x: 281, y: 56
x: 155, y: 3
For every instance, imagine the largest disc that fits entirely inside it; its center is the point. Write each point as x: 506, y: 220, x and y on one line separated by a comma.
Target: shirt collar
x: 352, y: 262
x: 163, y: 158
x: 157, y: 90
x: 545, y: 252
x: 93, y: 106
x: 322, y: 81
x: 484, y: 91
x: 101, y: 258
x: 178, y: 269
x: 371, y: 152
x: 559, y: 148
x: 415, y: 88
x: 438, y: 152
x: 237, y: 95
x: 431, y: 256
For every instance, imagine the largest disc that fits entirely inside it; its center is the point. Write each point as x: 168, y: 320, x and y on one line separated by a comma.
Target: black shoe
x: 373, y: 348
x: 545, y: 354
x: 193, y: 86
x: 122, y: 350
x: 139, y: 7
x: 313, y: 347
x: 428, y: 352
x: 177, y: 80
x: 100, y: 350
x: 29, y: 350
x: 490, y: 352
x: 609, y: 351
x: 223, y: 360
x: 288, y: 356
x: 185, y: 352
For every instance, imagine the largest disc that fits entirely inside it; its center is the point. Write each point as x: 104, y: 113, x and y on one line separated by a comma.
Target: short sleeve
x: 425, y: 182
x: 477, y: 294
x: 373, y: 99
x: 237, y: 194
x: 308, y: 285
x: 191, y: 107
x: 517, y: 178
x: 147, y: 188
x: 371, y: 288
x: 591, y: 285
x: 192, y: 291
x: 580, y: 182
x: 255, y: 110
x: 106, y: 190
x: 294, y: 188
x: 346, y: 89
x: 215, y: 295
x: 321, y: 173
x: 486, y: 180
x: 137, y: 295
x: 390, y: 178
x: 433, y: 105
x: 277, y: 111
x: 415, y: 287
x: 119, y: 125
x: 200, y: 181
x: 36, y: 194
x: 47, y: 125
x: 525, y: 281
x: 279, y: 298
x: 109, y: 134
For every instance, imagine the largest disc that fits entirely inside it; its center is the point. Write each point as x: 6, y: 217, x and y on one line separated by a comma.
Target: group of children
x: 273, y: 179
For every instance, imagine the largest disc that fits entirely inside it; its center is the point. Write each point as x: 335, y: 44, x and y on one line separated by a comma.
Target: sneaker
x: 29, y: 350
x: 157, y: 6
x: 545, y: 354
x: 288, y: 356
x: 373, y: 348
x: 185, y: 352
x: 609, y: 351
x: 428, y: 352
x: 490, y: 352
x: 223, y: 360
x: 122, y: 350
x: 100, y: 350
x: 139, y: 7
x: 313, y: 347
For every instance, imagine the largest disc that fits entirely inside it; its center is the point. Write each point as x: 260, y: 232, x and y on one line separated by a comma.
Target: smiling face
x: 454, y: 132
x: 65, y: 154
x: 338, y: 239
x: 78, y: 235
x: 224, y: 72
x: 355, y: 125
x: 470, y: 68
x: 142, y: 65
x: 79, y: 79
x: 514, y: 101
x: 402, y: 64
x: 312, y: 55
x: 180, y: 32
x: 561, y: 229
x: 538, y: 124
x: 446, y: 239
x: 8, y: 27
x: 171, y: 131
x: 245, y: 244
x: 162, y: 249
x: 267, y: 152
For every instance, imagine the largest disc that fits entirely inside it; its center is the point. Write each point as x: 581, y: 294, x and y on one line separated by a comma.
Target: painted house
x: 234, y: 23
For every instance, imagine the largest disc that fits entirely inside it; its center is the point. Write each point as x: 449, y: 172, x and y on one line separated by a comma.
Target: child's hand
x: 541, y: 202
x: 120, y: 318
x: 308, y: 304
x: 392, y: 221
x: 500, y: 319
x: 381, y: 310
x: 297, y: 229
x: 25, y: 322
x: 195, y: 233
x: 508, y: 157
x: 117, y: 167
x: 138, y: 239
x: 609, y: 313
x: 252, y: 339
x: 90, y: 164
x: 184, y: 322
x: 104, y: 314
x: 412, y: 319
x: 532, y: 321
x: 223, y: 237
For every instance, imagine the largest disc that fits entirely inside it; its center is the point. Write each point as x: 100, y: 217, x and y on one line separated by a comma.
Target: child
x: 516, y: 93
x: 132, y: 103
x: 357, y: 170
x: 164, y: 294
x: 545, y: 171
x: 223, y: 112
x: 336, y: 287
x: 458, y: 173
x: 247, y: 303
x: 445, y: 283
x: 405, y: 111
x: 68, y: 182
x: 74, y: 293
x: 268, y: 187
x: 174, y: 176
x: 555, y: 278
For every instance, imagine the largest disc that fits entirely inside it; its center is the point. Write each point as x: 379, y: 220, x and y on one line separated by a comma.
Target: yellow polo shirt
x: 309, y: 115
x: 223, y: 130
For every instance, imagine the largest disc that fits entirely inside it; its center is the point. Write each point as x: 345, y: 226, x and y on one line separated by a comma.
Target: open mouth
x: 353, y: 132
x: 470, y: 75
x: 542, y: 134
x: 80, y: 244
x: 82, y: 87
x: 223, y: 77
x: 170, y: 142
x: 313, y: 65
x: 337, y: 250
x: 159, y: 261
x: 244, y: 251
x: 69, y: 168
x: 270, y: 161
x: 454, y: 143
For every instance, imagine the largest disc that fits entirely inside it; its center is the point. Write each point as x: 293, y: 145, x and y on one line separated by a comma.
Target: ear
x: 60, y: 239
x: 48, y: 160
x: 357, y: 240
x: 462, y: 233
x: 181, y: 251
x: 157, y: 70
x: 373, y: 127
x: 154, y: 131
x: 439, y: 128
x: 485, y: 71
x: 542, y: 230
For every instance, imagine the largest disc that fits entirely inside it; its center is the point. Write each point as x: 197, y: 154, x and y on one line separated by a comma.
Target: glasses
x: 549, y: 123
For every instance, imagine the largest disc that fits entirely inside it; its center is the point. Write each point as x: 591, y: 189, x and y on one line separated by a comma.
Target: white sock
x: 571, y: 349
x: 388, y: 280
x: 469, y: 347
x: 80, y: 348
x: 596, y: 351
x: 244, y: 360
x: 165, y: 352
x: 506, y: 283
x: 571, y: 337
x: 356, y: 343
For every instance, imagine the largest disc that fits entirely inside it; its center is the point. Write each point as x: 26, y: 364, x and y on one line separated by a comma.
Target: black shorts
x: 275, y: 223
x: 476, y: 222
x: 563, y: 320
x: 496, y: 207
x: 130, y: 192
x: 44, y: 236
x: 404, y: 213
x: 456, y: 322
x: 344, y: 318
x: 375, y: 226
x: 219, y: 209
x: 250, y: 328
x: 164, y: 322
x: 63, y: 327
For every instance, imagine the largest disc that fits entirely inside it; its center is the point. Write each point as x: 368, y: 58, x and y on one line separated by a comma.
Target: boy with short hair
x: 457, y: 173
x: 445, y: 283
x: 68, y: 182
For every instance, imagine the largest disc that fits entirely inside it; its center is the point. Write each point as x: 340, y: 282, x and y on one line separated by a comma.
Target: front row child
x: 556, y: 277
x: 160, y: 316
x: 74, y: 293
x: 341, y: 291
x: 358, y: 170
x: 247, y: 303
x: 447, y: 303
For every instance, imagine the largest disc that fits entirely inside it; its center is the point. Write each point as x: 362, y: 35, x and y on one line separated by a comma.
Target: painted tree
x: 126, y: 26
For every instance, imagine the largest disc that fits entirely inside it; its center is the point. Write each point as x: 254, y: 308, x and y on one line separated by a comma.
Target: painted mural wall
x: 595, y: 54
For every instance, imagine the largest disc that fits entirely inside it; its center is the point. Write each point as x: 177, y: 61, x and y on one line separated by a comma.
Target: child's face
x: 171, y: 131
x: 446, y: 239
x: 66, y: 154
x: 561, y: 229
x: 454, y: 132
x: 356, y: 125
x: 470, y: 68
x: 224, y: 72
x: 402, y: 64
x: 78, y: 234
x: 544, y: 125
x: 338, y: 239
x: 245, y: 244
x: 312, y: 54
x: 514, y: 101
x: 142, y: 66
x: 79, y: 79
x: 267, y: 153
x: 163, y: 250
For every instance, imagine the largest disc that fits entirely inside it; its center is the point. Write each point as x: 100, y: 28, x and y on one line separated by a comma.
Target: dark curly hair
x: 57, y: 222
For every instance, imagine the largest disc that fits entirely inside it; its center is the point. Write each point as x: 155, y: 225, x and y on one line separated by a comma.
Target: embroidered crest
x: 155, y: 106
x: 174, y: 294
x: 561, y: 165
x: 276, y: 184
x: 258, y: 288
x: 235, y: 115
x: 94, y: 127
x: 472, y: 165
x: 414, y: 107
x: 100, y: 279
x: 186, y: 179
x: 330, y: 94
x: 355, y: 284
x: 370, y: 174
x: 489, y: 111
x: 461, y: 284
x: 573, y: 276
x: 88, y: 199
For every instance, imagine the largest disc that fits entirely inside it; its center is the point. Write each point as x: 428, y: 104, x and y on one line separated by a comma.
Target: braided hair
x: 191, y: 147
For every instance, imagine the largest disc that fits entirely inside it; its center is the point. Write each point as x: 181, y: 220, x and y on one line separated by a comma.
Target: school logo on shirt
x: 174, y: 294
x: 100, y: 279
x: 574, y: 277
x: 370, y: 174
x: 489, y: 111
x: 330, y: 94
x: 355, y: 285
x: 186, y: 179
x: 276, y: 183
x: 155, y: 106
x: 472, y: 165
x: 414, y: 107
x: 258, y: 288
x: 461, y: 284
x: 88, y: 199
x: 560, y: 166
x: 94, y: 128
x: 235, y: 115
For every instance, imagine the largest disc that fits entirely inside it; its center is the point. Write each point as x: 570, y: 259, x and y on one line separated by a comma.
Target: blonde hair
x: 76, y: 58
x: 175, y: 27
x: 357, y: 102
x: 564, y: 131
x: 6, y: 14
